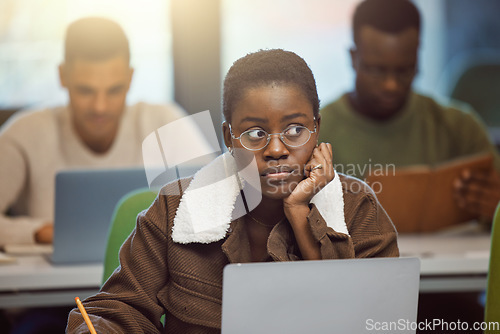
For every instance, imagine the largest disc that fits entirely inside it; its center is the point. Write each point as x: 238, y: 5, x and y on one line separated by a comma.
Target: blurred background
x: 181, y: 49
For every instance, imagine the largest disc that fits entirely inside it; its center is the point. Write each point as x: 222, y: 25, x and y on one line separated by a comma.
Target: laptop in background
x: 328, y: 296
x: 84, y: 204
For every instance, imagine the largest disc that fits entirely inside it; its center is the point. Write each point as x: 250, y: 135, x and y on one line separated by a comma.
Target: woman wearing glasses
x: 273, y: 197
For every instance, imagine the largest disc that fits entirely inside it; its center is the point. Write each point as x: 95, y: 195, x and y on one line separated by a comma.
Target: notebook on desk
x: 329, y: 296
x: 84, y: 204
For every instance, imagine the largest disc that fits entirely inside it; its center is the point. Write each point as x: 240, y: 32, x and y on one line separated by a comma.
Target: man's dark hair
x: 266, y: 67
x: 390, y: 16
x: 95, y: 39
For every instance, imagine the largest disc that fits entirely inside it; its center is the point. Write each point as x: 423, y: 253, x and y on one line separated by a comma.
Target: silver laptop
x: 329, y: 296
x: 84, y: 204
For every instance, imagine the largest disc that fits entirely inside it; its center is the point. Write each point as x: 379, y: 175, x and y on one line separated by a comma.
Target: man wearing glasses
x: 384, y: 122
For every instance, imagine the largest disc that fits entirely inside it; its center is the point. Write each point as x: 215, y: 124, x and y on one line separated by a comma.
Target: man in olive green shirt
x: 383, y: 124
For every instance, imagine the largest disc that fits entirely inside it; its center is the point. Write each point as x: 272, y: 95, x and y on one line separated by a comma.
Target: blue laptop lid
x: 84, y: 204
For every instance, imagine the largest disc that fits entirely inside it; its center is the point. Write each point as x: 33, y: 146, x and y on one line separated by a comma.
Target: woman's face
x: 274, y: 108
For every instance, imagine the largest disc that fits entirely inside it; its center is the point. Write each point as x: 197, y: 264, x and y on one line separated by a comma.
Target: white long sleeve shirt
x: 35, y: 145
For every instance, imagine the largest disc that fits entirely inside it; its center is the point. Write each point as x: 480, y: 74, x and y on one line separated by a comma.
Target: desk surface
x: 448, y: 255
x: 37, y: 272
x: 34, y: 281
x: 448, y: 263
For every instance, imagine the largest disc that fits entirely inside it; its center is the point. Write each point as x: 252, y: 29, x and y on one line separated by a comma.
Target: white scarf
x: 207, y: 206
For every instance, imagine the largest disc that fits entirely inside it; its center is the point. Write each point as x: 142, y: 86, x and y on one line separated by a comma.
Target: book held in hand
x: 421, y: 198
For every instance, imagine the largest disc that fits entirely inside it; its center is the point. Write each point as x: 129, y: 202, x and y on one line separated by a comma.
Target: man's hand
x: 45, y: 234
x: 478, y: 192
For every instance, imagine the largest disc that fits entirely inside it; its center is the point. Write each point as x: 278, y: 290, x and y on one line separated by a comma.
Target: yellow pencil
x: 85, y: 315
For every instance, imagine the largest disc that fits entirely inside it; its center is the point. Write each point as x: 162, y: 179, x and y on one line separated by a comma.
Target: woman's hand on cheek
x: 316, y: 178
x: 296, y: 206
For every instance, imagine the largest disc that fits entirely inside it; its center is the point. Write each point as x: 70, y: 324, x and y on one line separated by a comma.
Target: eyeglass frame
x: 273, y: 134
x: 380, y: 73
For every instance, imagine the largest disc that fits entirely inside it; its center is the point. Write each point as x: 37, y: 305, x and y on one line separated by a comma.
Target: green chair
x: 122, y: 224
x: 492, y: 308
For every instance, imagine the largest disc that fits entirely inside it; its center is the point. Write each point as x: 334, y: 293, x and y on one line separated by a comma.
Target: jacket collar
x: 211, y: 202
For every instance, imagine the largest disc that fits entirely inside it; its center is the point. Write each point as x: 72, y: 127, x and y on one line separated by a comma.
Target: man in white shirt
x: 96, y: 130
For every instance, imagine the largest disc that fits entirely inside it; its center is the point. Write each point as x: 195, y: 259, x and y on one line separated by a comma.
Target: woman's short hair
x: 266, y: 67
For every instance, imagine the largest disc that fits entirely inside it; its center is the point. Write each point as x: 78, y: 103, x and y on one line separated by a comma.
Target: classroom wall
x: 471, y: 32
x: 471, y: 25
x: 197, y: 45
x: 196, y: 55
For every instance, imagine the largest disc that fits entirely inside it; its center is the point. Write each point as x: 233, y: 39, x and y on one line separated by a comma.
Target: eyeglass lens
x: 293, y: 136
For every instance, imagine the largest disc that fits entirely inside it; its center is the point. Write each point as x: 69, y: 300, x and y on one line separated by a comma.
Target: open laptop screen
x: 328, y: 296
x: 84, y: 205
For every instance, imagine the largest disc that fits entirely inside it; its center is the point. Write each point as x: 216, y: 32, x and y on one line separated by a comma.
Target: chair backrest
x: 122, y: 224
x: 492, y: 309
x: 478, y: 84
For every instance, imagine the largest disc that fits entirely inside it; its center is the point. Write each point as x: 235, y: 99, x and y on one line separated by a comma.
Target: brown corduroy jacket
x: 184, y: 281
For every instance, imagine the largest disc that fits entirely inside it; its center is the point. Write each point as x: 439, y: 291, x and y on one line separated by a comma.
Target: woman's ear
x: 318, y: 122
x: 227, y: 134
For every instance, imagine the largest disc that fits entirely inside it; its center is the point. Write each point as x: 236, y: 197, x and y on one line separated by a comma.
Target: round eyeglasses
x: 257, y: 139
